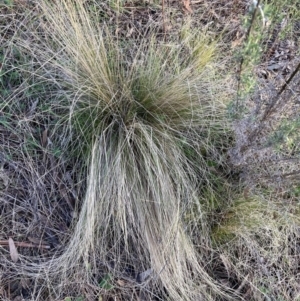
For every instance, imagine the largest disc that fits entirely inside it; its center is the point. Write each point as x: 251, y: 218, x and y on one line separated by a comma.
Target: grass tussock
x: 138, y: 117
x: 122, y: 161
x: 259, y: 239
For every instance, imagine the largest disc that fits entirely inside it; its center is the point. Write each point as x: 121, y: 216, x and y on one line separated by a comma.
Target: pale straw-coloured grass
x: 138, y: 116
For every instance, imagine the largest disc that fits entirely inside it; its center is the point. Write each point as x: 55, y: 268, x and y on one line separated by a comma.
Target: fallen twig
x: 241, y: 62
x: 24, y: 244
x: 163, y: 15
x: 270, y: 109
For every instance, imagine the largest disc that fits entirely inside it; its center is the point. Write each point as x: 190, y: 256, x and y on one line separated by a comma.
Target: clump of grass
x: 139, y: 118
x: 258, y: 240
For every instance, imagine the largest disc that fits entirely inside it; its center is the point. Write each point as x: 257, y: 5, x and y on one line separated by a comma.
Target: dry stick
x: 271, y: 107
x: 24, y: 244
x: 164, y: 23
x: 273, y: 46
x: 242, y: 59
x: 282, y: 89
x: 294, y: 173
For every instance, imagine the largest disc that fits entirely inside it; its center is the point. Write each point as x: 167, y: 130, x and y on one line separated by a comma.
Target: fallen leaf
x: 237, y: 42
x: 4, y: 177
x: 13, y: 250
x: 142, y: 277
x: 246, y: 193
x: 130, y: 32
x: 121, y: 282
x: 35, y: 240
x: 187, y: 6
x: 45, y: 138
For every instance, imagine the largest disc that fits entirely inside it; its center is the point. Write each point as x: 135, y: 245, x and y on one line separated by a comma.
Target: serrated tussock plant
x: 127, y: 111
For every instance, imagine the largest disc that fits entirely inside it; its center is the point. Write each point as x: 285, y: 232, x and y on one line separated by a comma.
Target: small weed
x: 116, y: 5
x: 106, y: 282
x: 286, y: 137
x: 6, y: 3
